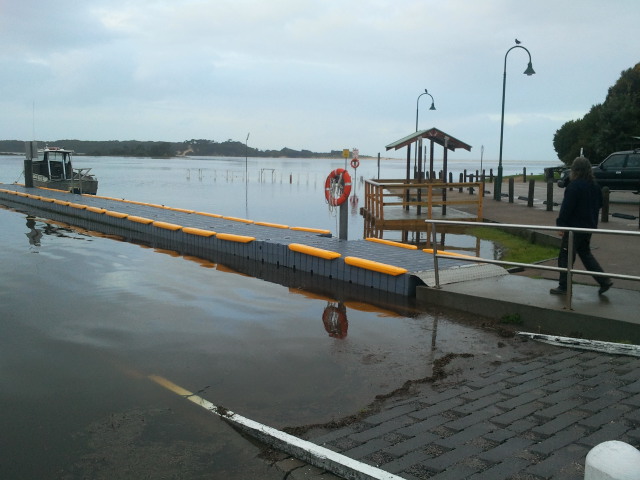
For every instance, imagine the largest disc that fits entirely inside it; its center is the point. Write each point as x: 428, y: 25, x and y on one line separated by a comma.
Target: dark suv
x: 619, y: 171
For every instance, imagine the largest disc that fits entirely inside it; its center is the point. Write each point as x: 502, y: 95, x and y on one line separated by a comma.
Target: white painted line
x: 580, y: 343
x: 308, y: 452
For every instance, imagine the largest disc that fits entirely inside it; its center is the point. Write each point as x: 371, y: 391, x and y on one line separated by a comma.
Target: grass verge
x: 514, y: 247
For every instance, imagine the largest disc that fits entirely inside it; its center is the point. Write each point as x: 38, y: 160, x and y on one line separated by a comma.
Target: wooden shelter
x: 448, y: 142
x: 404, y: 205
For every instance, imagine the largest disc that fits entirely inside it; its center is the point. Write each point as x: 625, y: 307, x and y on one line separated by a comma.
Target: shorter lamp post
x: 529, y: 71
x: 432, y: 107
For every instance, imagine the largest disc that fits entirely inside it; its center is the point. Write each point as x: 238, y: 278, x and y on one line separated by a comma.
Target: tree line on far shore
x: 136, y: 148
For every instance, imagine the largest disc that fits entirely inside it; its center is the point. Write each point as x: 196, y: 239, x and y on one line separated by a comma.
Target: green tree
x: 607, y: 127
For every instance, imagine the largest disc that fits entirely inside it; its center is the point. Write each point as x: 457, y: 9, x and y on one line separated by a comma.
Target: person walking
x: 580, y: 206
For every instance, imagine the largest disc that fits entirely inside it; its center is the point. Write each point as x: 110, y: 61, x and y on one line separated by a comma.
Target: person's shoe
x: 604, y: 287
x: 558, y: 291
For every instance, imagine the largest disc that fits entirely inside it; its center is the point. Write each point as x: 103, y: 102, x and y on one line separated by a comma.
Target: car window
x: 614, y: 161
x: 634, y: 160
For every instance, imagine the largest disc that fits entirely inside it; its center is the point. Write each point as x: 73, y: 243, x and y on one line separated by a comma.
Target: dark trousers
x: 582, y: 248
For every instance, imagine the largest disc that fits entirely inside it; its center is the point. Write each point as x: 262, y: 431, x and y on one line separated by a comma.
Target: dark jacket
x: 581, y: 204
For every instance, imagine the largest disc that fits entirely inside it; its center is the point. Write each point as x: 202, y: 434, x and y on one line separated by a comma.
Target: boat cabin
x: 55, y: 163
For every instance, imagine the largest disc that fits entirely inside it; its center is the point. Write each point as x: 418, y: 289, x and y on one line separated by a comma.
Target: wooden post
x: 532, y: 185
x: 524, y: 174
x: 406, y: 192
x: 461, y: 181
x: 550, y: 185
x: 510, y: 189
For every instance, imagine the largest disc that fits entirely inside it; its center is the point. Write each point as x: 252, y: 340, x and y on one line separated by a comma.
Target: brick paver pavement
x: 534, y: 419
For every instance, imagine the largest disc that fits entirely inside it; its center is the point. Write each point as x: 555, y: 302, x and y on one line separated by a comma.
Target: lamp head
x: 529, y: 71
x: 433, y: 107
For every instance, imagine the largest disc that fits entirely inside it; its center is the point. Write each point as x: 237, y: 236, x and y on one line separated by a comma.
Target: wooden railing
x: 381, y: 194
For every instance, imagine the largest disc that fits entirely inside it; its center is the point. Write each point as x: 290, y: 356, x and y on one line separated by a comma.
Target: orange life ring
x: 338, y: 181
x: 335, y: 321
x: 355, y: 163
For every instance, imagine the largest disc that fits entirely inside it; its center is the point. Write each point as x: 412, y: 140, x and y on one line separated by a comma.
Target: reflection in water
x: 35, y: 234
x: 335, y: 320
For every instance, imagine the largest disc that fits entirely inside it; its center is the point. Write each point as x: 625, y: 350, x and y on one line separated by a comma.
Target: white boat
x: 51, y: 167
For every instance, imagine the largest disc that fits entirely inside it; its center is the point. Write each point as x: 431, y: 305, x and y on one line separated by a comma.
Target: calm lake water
x: 87, y: 318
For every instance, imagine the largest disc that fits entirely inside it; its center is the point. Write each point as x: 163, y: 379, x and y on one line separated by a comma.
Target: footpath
x: 610, y: 317
x: 523, y: 410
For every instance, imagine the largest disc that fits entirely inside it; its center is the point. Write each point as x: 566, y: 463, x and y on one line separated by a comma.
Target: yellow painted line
x: 198, y: 231
x: 137, y: 219
x: 374, y: 266
x: 314, y: 251
x: 311, y: 230
x: 79, y: 206
x: 167, y: 225
x: 273, y: 225
x: 308, y: 452
x: 393, y: 244
x: 235, y: 238
x: 236, y: 219
x: 61, y: 202
x: 112, y: 213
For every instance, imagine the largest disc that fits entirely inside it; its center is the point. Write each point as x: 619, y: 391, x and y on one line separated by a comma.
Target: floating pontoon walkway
x: 385, y: 266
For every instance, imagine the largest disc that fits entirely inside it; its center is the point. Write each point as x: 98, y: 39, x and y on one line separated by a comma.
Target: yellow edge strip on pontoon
x: 393, y: 244
x: 314, y: 251
x: 375, y: 266
x: 167, y: 225
x: 451, y: 254
x: 274, y: 225
x: 312, y: 230
x: 198, y: 231
x: 235, y: 238
x: 143, y: 220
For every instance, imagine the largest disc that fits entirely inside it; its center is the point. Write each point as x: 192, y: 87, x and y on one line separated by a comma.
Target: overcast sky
x: 309, y: 74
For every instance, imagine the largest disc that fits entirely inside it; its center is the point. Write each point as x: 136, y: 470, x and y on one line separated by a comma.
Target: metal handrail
x: 569, y: 269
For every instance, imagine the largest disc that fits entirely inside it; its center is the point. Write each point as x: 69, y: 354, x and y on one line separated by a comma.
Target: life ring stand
x: 335, y: 321
x: 338, y: 181
x: 355, y: 163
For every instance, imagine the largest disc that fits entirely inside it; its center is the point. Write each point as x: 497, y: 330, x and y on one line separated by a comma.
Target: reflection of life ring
x: 337, y: 187
x: 335, y: 321
x: 355, y: 163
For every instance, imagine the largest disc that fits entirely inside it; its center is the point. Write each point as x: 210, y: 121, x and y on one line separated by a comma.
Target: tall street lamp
x: 529, y: 71
x: 433, y: 107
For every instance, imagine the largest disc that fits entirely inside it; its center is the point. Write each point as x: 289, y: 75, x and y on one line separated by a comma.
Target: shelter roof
x: 433, y: 134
